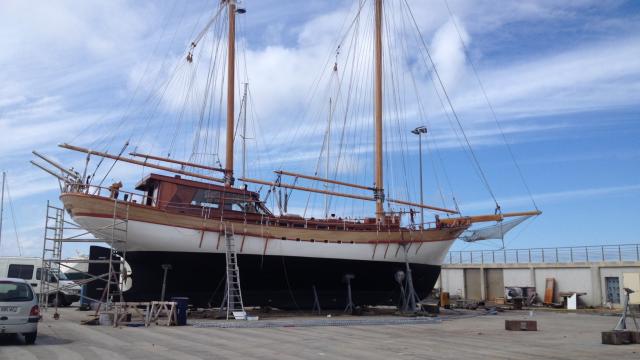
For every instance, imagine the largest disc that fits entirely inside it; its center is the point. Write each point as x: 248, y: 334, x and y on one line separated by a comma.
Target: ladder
x: 232, y: 301
x: 51, y: 255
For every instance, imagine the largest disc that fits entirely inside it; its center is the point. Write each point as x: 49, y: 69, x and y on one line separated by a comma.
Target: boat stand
x: 316, y: 302
x: 350, y: 306
x: 410, y: 299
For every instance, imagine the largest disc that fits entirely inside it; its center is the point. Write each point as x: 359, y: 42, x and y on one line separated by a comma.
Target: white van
x: 30, y: 270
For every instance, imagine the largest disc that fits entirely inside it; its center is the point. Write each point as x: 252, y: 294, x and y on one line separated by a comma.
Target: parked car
x: 30, y: 269
x: 19, y: 311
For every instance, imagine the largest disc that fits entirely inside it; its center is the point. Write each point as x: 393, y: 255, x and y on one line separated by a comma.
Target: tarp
x: 492, y: 232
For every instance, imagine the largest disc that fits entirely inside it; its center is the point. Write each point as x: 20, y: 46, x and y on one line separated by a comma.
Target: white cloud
x: 448, y: 53
x: 554, y: 197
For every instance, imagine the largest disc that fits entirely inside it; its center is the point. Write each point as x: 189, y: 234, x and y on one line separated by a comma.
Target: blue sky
x: 563, y: 77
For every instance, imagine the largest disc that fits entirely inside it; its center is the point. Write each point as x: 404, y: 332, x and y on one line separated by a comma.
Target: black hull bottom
x: 276, y: 281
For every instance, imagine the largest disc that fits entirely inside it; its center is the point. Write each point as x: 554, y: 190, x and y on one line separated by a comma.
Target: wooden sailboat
x: 181, y: 221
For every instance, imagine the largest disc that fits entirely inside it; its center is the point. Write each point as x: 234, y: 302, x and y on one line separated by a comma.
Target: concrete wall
x: 579, y: 277
x: 453, y: 281
x: 571, y: 279
x: 517, y: 277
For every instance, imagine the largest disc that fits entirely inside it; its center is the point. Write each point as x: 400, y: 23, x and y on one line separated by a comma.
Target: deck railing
x: 568, y: 254
x: 127, y: 196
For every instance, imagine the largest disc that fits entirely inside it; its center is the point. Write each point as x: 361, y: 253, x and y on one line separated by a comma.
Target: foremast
x: 231, y: 65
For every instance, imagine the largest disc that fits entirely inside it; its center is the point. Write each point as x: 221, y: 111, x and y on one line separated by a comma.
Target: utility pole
x: 419, y: 131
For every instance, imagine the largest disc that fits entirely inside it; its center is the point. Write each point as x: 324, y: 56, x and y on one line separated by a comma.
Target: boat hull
x: 278, y: 266
x: 284, y: 282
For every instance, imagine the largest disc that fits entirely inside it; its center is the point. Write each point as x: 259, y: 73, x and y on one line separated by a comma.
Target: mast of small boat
x: 379, y: 186
x: 4, y: 177
x: 231, y: 63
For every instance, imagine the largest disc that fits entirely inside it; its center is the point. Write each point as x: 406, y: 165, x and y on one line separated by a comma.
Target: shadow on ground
x: 14, y: 339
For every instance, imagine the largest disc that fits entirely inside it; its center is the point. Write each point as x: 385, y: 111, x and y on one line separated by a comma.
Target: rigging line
x: 211, y: 75
x: 187, y: 97
x: 429, y: 140
x: 255, y: 121
x: 211, y: 91
x: 490, y: 105
x: 316, y: 84
x: 144, y: 74
x: 316, y: 172
x: 455, y: 131
x: 422, y: 113
x: 347, y: 106
x: 167, y: 82
x: 352, y: 61
x: 13, y: 219
x: 112, y: 165
x: 398, y: 97
x: 454, y: 113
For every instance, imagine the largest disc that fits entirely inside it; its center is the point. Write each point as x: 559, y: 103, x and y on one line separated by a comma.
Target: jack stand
x: 621, y: 334
x: 400, y: 279
x: 622, y: 323
x: 165, y: 268
x: 410, y: 299
x: 350, y: 306
x: 316, y: 301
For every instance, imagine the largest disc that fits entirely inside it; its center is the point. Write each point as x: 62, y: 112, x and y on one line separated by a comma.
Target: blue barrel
x: 181, y: 309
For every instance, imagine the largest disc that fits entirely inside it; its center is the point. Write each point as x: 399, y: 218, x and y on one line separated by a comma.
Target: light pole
x: 419, y: 131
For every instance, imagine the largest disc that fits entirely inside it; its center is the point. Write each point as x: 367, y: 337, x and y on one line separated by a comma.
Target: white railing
x: 569, y: 254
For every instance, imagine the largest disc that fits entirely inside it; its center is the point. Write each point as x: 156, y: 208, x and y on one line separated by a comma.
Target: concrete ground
x: 560, y: 336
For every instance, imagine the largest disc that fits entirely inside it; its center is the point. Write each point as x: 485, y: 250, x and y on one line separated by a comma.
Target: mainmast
x: 379, y: 186
x: 231, y: 64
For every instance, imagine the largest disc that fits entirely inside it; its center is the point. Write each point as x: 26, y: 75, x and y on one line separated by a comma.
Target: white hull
x: 142, y: 236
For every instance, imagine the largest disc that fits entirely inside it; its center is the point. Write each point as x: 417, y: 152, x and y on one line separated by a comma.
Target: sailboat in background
x: 182, y: 220
x: 5, y: 190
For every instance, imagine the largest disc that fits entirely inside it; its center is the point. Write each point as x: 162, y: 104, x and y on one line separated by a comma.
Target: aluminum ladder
x: 51, y: 255
x: 232, y: 301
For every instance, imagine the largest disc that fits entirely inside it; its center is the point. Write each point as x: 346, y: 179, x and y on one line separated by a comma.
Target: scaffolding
x: 60, y: 230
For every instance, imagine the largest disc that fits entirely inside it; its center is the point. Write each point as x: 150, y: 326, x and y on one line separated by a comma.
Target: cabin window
x: 20, y: 271
x: 206, y: 198
x: 242, y: 203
